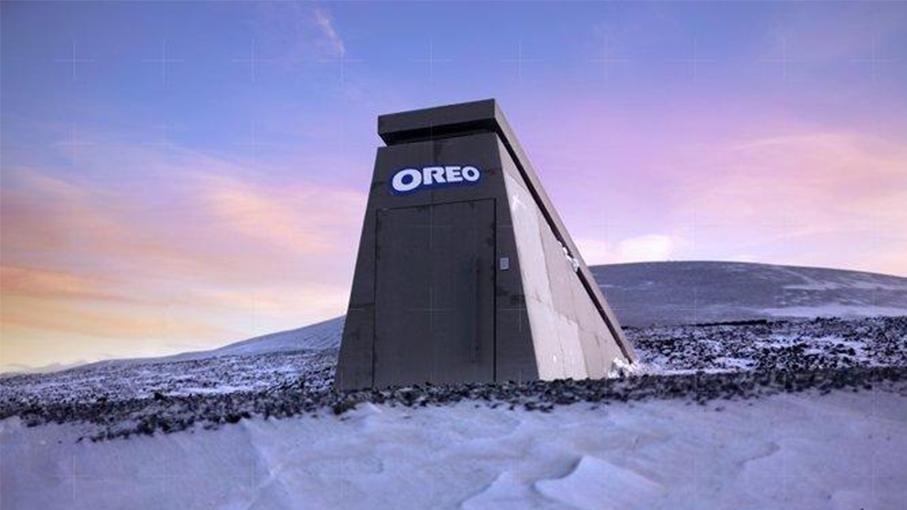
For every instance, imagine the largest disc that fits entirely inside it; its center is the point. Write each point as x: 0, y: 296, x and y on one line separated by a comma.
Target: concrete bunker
x: 465, y: 272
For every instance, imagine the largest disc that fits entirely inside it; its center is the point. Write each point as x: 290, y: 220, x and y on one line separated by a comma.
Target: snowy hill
x: 314, y: 337
x: 643, y: 294
x: 319, y: 336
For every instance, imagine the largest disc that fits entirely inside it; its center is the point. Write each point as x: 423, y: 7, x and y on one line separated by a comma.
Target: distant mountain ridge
x: 647, y: 293
x: 318, y: 336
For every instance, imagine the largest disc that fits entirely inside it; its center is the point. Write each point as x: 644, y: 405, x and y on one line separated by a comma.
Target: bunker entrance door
x: 434, y: 292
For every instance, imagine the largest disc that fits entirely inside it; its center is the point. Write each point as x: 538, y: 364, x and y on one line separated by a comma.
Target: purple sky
x: 176, y: 176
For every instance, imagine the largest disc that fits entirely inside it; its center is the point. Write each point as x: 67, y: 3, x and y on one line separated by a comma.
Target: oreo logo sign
x: 409, y: 180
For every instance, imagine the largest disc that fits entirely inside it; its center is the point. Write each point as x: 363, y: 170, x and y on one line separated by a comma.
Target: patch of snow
x: 620, y: 368
x: 596, y: 483
x: 834, y: 310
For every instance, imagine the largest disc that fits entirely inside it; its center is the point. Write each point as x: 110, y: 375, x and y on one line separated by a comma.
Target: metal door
x: 434, y: 294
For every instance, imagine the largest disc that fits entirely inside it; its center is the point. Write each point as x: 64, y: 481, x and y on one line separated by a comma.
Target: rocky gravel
x: 698, y: 363
x: 769, y: 345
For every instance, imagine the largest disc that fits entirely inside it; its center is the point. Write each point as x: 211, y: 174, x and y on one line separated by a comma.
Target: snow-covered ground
x: 844, y: 450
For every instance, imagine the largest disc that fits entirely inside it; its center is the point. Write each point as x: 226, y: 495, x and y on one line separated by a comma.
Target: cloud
x: 191, y: 252
x: 593, y: 251
x: 728, y: 182
x: 304, y: 219
x: 49, y: 283
x: 294, y: 32
x: 802, y: 182
x: 326, y: 24
x: 644, y: 248
x: 799, y: 196
x: 786, y: 195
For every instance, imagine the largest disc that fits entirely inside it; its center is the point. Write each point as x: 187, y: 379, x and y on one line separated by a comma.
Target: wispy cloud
x: 805, y: 181
x: 304, y: 219
x: 294, y: 32
x: 191, y: 251
x: 778, y: 191
x: 325, y: 23
x: 644, y: 248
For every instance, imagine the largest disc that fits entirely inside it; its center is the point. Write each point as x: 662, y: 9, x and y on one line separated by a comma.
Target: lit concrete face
x: 465, y: 272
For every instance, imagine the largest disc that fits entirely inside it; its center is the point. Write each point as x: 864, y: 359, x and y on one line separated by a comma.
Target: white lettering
x: 453, y: 174
x: 407, y: 179
x: 432, y: 175
x: 411, y: 179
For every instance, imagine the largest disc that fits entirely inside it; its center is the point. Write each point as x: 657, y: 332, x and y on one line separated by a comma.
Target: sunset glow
x: 178, y: 176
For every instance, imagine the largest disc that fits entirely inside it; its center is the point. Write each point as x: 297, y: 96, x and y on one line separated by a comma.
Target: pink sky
x: 150, y: 209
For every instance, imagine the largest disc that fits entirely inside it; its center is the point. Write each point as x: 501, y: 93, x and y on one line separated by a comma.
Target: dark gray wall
x: 434, y: 293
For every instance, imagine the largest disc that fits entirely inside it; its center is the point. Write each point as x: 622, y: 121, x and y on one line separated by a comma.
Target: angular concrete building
x: 465, y: 272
